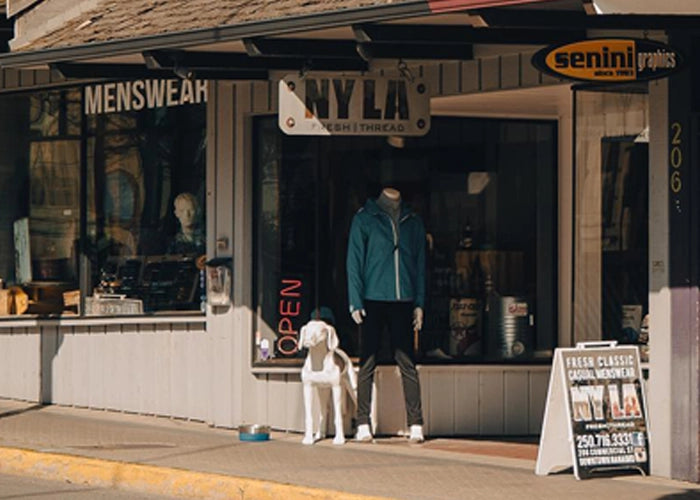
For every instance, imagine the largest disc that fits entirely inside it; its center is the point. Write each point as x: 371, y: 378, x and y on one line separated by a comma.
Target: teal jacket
x: 385, y: 262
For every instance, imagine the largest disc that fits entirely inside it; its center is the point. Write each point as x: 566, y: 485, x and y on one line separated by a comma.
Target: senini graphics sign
x: 610, y: 60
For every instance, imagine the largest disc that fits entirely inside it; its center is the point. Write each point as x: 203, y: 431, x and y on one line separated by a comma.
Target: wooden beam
x: 441, y: 34
x: 70, y: 70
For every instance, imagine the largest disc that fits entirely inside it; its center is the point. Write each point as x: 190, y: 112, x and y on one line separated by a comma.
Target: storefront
x: 543, y: 203
x: 486, y: 188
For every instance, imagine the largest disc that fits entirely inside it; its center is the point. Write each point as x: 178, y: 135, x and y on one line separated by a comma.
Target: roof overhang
x: 350, y: 39
x: 216, y: 35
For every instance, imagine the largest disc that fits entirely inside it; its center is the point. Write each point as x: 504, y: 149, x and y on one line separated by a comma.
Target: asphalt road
x: 22, y: 487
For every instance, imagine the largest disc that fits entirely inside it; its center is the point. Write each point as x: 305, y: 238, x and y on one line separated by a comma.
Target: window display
x: 116, y: 195
x: 146, y: 226
x: 486, y: 193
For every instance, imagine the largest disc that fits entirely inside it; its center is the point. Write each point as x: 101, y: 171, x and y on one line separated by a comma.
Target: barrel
x: 509, y: 332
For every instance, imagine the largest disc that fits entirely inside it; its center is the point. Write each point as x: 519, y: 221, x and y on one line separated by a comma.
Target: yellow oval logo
x: 609, y: 60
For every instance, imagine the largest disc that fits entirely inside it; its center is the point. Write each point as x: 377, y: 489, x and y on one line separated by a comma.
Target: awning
x: 246, y: 39
x: 116, y: 31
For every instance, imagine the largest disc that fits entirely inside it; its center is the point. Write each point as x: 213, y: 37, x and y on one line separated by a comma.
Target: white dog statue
x: 327, y: 369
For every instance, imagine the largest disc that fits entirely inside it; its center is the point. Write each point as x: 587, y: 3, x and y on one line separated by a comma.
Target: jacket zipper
x: 395, y: 230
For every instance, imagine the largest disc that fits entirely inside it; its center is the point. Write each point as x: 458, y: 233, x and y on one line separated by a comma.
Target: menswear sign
x: 332, y: 104
x: 136, y: 95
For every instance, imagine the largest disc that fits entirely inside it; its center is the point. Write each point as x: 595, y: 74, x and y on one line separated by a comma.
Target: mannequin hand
x: 418, y: 318
x: 357, y: 315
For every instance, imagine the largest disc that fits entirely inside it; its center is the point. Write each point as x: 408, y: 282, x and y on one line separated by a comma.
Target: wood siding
x: 152, y: 369
x: 457, y: 400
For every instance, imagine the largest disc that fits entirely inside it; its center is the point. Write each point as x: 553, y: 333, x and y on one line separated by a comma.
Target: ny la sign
x: 332, y: 104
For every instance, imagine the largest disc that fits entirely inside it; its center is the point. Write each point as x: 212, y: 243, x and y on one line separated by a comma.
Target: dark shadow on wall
x: 687, y: 494
x: 50, y: 341
x: 12, y: 413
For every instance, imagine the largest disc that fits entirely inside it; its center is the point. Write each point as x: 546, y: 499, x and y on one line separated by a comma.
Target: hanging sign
x: 610, y: 60
x: 332, y: 104
x: 596, y: 400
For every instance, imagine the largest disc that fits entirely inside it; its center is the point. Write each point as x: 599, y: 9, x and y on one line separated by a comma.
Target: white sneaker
x: 416, y: 435
x: 363, y: 434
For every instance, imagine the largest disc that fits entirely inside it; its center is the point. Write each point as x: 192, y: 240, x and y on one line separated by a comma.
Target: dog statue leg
x: 308, y: 414
x: 323, y: 394
x: 338, y: 414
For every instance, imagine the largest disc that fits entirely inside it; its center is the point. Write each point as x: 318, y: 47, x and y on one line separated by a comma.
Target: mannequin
x: 190, y: 238
x: 390, y: 201
x: 386, y: 288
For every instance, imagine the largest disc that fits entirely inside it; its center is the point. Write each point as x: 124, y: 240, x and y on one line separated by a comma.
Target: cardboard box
x: 20, y: 300
x: 5, y: 302
x: 71, y: 298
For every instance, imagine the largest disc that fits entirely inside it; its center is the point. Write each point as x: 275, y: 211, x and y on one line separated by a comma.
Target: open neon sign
x: 290, y: 297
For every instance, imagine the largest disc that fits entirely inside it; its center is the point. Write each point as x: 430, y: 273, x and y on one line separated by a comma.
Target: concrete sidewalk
x: 192, y: 460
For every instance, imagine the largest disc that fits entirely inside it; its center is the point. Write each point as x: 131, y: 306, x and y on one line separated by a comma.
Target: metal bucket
x: 509, y: 331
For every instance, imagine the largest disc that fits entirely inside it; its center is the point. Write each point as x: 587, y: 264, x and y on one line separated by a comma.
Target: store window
x: 110, y: 199
x: 486, y: 192
x: 611, y: 289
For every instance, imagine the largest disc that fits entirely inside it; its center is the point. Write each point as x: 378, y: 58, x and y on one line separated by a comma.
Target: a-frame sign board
x: 596, y: 400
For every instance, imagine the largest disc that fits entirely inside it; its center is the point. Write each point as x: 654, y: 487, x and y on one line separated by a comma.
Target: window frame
x: 83, y: 280
x: 552, y: 278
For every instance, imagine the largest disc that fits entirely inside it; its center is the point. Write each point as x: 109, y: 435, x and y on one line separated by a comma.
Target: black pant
x: 398, y: 317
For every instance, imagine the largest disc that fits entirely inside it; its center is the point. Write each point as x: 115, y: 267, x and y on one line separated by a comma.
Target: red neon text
x: 289, y: 310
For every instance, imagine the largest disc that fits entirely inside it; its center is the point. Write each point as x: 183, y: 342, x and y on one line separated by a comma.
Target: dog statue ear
x: 300, y: 338
x: 332, y: 339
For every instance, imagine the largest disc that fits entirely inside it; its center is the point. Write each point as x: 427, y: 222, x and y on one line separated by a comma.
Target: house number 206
x: 676, y: 157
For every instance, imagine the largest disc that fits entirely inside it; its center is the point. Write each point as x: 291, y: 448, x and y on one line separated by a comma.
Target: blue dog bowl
x: 253, y: 432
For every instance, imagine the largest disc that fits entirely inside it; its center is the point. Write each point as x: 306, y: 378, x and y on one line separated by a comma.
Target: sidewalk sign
x: 596, y: 399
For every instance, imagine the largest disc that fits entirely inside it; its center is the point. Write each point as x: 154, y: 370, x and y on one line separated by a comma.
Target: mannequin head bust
x: 190, y: 239
x: 185, y: 206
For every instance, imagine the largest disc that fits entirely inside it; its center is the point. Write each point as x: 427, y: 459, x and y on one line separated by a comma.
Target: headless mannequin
x: 390, y: 201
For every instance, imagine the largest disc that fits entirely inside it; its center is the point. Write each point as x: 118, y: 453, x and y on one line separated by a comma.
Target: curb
x: 157, y: 480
